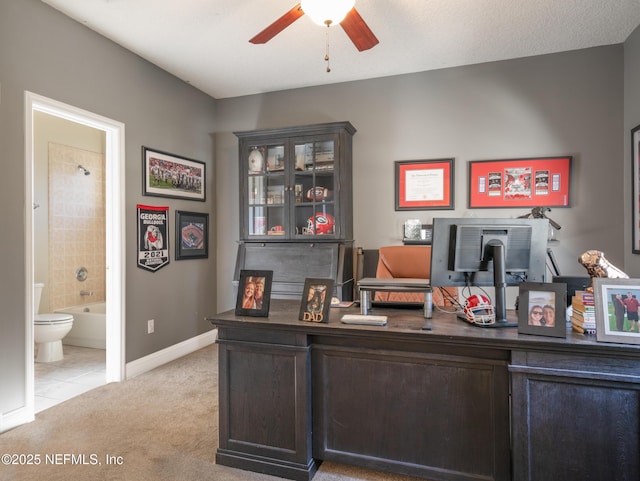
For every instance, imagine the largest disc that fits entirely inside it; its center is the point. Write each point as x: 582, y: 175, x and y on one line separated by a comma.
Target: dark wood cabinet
x: 265, y: 420
x: 454, y: 403
x: 576, y: 416
x: 296, y: 205
x: 418, y: 413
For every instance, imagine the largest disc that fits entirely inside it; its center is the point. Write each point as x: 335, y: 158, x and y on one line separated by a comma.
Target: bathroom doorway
x: 111, y: 133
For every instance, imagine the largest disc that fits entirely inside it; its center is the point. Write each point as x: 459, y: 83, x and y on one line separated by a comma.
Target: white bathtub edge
x: 171, y: 353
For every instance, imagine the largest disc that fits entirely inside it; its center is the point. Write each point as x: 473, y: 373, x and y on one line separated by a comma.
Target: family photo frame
x: 316, y: 300
x: 170, y: 175
x: 616, y: 302
x: 542, y: 309
x: 254, y: 293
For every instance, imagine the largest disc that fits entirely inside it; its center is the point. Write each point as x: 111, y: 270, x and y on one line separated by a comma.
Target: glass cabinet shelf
x: 290, y: 183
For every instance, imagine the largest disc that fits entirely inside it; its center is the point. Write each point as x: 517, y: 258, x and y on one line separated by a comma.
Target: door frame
x: 115, y: 232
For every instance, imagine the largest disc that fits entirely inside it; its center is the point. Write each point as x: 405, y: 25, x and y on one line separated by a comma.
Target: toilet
x: 48, y: 330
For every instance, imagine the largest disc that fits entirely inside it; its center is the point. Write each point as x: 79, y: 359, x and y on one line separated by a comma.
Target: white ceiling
x: 205, y: 42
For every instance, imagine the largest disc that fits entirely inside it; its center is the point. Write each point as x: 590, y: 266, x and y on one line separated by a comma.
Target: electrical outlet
x: 150, y: 326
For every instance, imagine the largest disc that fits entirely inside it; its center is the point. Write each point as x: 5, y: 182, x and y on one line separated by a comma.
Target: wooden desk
x: 455, y: 403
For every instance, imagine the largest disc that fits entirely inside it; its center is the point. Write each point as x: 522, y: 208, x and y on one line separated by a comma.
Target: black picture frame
x: 246, y: 306
x: 316, y: 300
x: 635, y: 189
x: 424, y: 184
x: 604, y: 291
x: 537, y: 301
x: 192, y: 235
x: 170, y: 175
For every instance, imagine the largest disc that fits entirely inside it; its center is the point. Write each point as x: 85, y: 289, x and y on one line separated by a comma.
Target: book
x: 584, y: 325
x: 585, y: 297
x: 579, y: 305
x: 583, y: 330
x: 583, y: 316
x: 587, y: 316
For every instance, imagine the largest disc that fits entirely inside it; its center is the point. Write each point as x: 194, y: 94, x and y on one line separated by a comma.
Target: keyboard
x: 366, y: 320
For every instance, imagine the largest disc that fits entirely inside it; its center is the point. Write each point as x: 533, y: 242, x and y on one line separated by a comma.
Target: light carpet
x: 161, y: 425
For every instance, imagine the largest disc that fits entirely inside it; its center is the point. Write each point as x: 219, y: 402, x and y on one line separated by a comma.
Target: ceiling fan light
x: 327, y: 12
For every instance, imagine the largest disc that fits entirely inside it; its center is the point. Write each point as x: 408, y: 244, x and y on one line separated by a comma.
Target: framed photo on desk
x: 617, y: 304
x: 316, y: 300
x: 542, y: 309
x: 254, y: 293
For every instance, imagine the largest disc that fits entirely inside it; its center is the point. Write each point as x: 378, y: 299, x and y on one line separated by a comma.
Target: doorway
x: 114, y: 232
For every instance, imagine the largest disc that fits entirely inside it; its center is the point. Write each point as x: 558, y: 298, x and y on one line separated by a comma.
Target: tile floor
x: 81, y: 370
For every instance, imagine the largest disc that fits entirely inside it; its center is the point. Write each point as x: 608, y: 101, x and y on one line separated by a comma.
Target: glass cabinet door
x: 290, y: 183
x: 266, y: 190
x: 314, y: 186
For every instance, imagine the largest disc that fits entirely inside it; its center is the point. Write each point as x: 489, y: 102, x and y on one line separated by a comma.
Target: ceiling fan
x: 345, y: 14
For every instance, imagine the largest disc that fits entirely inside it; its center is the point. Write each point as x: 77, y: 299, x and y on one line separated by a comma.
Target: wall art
x: 534, y: 182
x: 424, y: 184
x: 169, y: 175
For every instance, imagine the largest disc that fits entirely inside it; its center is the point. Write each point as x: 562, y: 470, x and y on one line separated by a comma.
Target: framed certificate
x: 424, y: 184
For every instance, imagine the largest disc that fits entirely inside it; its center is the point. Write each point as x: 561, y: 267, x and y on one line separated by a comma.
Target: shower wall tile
x: 76, y: 226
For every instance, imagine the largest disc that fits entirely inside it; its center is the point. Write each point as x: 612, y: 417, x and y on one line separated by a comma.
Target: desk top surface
x: 406, y: 325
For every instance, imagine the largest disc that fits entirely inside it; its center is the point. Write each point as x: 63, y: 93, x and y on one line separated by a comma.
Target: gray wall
x: 45, y: 52
x: 631, y: 120
x: 563, y: 104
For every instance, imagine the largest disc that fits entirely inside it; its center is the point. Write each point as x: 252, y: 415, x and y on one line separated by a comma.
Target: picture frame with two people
x: 254, y: 293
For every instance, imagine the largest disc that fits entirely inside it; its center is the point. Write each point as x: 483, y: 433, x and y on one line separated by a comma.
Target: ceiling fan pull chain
x: 326, y: 55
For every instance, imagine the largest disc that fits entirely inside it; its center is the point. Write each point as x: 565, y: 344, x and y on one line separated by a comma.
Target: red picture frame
x: 424, y: 184
x: 530, y: 182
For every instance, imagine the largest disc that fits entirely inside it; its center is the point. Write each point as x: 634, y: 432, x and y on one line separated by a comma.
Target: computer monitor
x: 468, y: 252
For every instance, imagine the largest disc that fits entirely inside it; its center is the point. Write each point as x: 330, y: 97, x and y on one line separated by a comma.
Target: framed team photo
x: 170, y: 175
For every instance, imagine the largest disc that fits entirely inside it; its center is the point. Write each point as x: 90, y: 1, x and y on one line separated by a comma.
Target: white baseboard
x: 16, y: 418
x: 171, y: 353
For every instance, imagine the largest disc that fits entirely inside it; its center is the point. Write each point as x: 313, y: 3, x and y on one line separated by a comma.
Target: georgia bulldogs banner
x: 153, y: 241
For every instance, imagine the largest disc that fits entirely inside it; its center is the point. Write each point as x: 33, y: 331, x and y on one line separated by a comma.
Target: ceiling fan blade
x: 279, y: 25
x: 358, y: 31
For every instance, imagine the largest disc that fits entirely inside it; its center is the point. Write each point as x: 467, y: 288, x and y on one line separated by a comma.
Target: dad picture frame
x: 316, y: 300
x: 542, y: 309
x: 617, y: 324
x: 254, y: 293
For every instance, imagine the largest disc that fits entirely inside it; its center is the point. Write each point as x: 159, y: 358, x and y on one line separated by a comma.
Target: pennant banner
x: 153, y: 241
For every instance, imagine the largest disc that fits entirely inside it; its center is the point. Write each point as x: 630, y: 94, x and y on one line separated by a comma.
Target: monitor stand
x: 495, y: 251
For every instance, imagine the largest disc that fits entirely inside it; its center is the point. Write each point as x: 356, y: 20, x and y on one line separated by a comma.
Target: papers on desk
x: 335, y: 302
x: 365, y: 320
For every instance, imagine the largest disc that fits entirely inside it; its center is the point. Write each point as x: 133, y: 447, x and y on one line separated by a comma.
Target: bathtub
x: 89, y: 325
